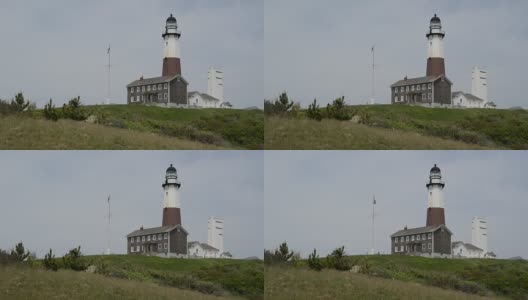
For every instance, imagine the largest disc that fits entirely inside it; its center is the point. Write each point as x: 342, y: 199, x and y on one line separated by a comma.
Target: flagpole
x: 373, y: 67
x: 108, y: 229
x: 109, y: 66
x: 372, y: 240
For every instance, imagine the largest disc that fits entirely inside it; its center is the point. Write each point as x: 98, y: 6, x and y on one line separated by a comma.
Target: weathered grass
x: 25, y: 133
x: 305, y: 134
x: 31, y: 283
x: 301, y: 283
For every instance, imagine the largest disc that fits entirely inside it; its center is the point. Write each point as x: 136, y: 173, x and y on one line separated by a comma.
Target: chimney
x: 405, y: 228
x: 404, y: 78
x: 141, y: 228
x: 141, y: 78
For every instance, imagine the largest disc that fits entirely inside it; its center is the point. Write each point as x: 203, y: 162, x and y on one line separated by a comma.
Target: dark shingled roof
x: 203, y: 245
x: 467, y: 95
x: 419, y: 230
x: 156, y: 80
x: 419, y: 80
x: 155, y: 230
x: 467, y: 245
x: 204, y: 95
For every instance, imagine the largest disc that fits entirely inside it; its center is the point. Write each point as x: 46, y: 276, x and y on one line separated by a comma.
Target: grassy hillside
x: 241, y: 278
x: 37, y: 134
x: 483, y: 277
x: 30, y: 283
x: 173, y: 129
x: 290, y: 283
x: 403, y: 127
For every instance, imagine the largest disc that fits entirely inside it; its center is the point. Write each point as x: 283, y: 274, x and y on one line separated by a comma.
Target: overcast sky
x: 323, y: 199
x: 58, y: 199
x: 322, y: 49
x: 57, y: 49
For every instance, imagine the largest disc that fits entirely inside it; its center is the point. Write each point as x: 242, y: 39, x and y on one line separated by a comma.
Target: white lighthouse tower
x: 215, y: 233
x: 435, y: 199
x: 171, y: 51
x: 215, y: 84
x: 479, y: 83
x: 171, y: 198
x: 435, y: 52
x: 479, y: 233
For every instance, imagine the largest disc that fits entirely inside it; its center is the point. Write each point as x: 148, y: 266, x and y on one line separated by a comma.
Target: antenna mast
x: 108, y: 229
x: 109, y: 66
x: 373, y: 68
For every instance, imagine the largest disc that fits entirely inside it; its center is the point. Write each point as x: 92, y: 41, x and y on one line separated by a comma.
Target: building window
x: 402, y: 89
x: 429, y: 96
x: 143, y: 88
x: 424, y: 86
x: 430, y: 236
x: 407, y: 238
x: 165, y: 96
x: 396, y: 249
x: 138, y: 89
x: 423, y: 247
x: 148, y: 88
x: 418, y: 237
x: 138, y: 239
x: 148, y: 237
x: 154, y: 237
x: 407, y: 88
x: 160, y: 86
x: 165, y: 86
x: 131, y: 239
x: 423, y: 236
x: 142, y: 248
x: 132, y: 249
x: 166, y: 236
x: 418, y: 87
x: 137, y: 248
x: 165, y: 246
x: 402, y: 239
x: 430, y: 86
x: 154, y: 87
x: 429, y: 246
x: 159, y: 96
x: 412, y: 88
x: 401, y: 248
x: 159, y: 236
x: 412, y: 238
x: 159, y: 246
x: 132, y: 90
x: 401, y: 98
x: 396, y: 99
x: 395, y: 240
x: 143, y: 238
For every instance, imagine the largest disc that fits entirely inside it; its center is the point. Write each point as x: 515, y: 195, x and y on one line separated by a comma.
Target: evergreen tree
x: 49, y: 111
x: 314, y: 112
x: 49, y: 261
x: 314, y: 262
x: 20, y: 253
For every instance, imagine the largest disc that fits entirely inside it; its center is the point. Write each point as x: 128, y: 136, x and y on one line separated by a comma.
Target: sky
x: 323, y: 199
x: 58, y: 49
x: 320, y: 49
x: 58, y: 199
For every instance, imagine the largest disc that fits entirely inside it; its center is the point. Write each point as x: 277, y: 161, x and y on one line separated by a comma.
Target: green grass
x: 193, y: 128
x: 19, y: 282
x: 243, y: 278
x: 306, y: 134
x: 414, y: 127
x: 25, y: 133
x: 504, y: 278
x: 301, y: 283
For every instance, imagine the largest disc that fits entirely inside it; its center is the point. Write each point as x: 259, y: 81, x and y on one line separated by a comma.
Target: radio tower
x: 108, y: 228
x: 109, y: 66
x: 372, y: 240
x: 371, y: 102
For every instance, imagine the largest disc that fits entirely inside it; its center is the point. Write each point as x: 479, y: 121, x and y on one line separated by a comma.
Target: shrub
x: 314, y: 112
x: 49, y: 261
x: 280, y: 255
x: 280, y: 106
x: 49, y: 111
x: 19, y: 103
x: 74, y: 110
x: 314, y: 262
x: 19, y: 253
x: 74, y: 260
x: 337, y: 260
x: 337, y: 110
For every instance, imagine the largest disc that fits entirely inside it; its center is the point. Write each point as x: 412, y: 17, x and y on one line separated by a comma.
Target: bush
x: 19, y: 253
x: 19, y: 103
x: 280, y: 255
x: 49, y: 261
x: 74, y: 260
x: 314, y: 112
x: 337, y: 260
x: 74, y: 110
x: 314, y: 262
x: 280, y: 106
x: 49, y: 111
x: 337, y: 110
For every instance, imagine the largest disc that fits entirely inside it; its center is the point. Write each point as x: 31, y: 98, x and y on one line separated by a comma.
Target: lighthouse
x: 435, y: 53
x: 171, y: 198
x: 435, y: 200
x: 171, y: 52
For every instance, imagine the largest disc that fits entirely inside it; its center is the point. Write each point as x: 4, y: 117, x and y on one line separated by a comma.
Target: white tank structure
x: 215, y: 84
x: 479, y: 233
x: 171, y: 198
x: 435, y: 53
x: 171, y: 51
x: 435, y: 199
x: 215, y: 233
x: 479, y: 83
